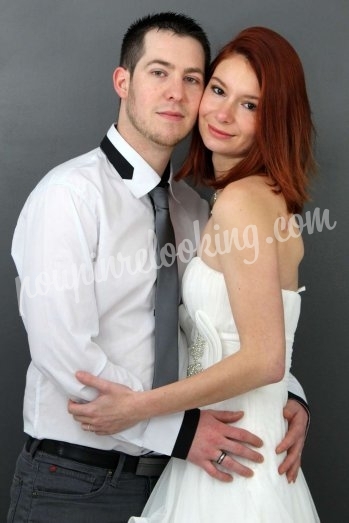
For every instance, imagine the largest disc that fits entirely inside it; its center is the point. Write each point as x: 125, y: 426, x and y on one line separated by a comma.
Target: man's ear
x: 121, y: 81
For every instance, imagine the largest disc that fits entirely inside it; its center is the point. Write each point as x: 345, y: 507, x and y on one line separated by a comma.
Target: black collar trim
x: 123, y: 167
x: 166, y: 176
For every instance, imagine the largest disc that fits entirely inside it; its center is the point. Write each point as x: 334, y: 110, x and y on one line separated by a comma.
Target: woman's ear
x: 121, y: 81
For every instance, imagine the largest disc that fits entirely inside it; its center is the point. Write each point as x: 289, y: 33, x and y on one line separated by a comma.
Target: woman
x: 255, y: 118
x: 241, y: 296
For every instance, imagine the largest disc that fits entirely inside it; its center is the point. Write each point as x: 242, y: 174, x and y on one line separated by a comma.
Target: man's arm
x: 52, y: 249
x: 296, y: 392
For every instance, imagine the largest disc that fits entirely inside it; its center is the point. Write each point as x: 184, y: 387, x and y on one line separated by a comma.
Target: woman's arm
x: 251, y: 270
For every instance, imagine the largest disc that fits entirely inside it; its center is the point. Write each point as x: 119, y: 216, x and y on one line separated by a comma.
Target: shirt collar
x: 135, y: 172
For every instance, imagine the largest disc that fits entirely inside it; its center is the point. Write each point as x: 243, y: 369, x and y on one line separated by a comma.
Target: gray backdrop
x: 57, y: 101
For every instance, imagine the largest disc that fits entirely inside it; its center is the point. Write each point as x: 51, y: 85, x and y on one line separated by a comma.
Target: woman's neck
x: 223, y: 164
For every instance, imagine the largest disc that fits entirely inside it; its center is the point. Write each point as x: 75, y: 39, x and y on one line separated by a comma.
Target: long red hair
x: 284, y: 129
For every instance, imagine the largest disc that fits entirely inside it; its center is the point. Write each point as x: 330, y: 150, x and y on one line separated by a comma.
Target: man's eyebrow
x: 171, y: 66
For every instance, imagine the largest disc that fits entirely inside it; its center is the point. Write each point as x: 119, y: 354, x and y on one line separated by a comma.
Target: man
x: 85, y: 254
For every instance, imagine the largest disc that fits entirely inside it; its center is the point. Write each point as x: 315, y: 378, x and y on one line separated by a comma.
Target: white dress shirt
x: 85, y: 254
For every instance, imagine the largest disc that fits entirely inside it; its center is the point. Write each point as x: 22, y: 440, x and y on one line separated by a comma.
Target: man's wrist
x: 301, y: 401
x: 186, y: 433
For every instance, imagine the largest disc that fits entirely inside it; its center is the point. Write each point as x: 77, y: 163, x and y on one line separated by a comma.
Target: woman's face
x: 227, y: 114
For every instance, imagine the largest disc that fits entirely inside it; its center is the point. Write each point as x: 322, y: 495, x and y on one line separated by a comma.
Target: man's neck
x: 157, y: 156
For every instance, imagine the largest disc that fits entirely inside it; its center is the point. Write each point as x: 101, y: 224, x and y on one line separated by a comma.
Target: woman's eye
x: 217, y: 90
x: 250, y: 106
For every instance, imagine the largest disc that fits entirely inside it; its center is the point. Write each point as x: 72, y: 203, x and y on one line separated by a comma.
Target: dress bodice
x: 204, y: 289
x: 208, y: 322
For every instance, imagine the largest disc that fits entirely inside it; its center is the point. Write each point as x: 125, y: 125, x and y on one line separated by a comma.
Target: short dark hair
x: 132, y: 47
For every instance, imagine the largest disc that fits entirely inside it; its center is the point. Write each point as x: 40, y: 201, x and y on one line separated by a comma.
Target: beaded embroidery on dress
x: 187, y: 494
x: 196, y: 352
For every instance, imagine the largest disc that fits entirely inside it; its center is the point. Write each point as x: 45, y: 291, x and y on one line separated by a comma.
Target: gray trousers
x: 50, y: 489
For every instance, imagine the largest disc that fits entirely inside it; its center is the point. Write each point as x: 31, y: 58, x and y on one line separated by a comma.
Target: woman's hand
x: 110, y: 413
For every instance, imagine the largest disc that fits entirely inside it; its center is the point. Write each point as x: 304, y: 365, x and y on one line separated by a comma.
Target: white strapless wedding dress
x: 187, y: 494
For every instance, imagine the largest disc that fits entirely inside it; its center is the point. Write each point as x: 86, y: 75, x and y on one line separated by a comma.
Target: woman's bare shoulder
x: 253, y: 194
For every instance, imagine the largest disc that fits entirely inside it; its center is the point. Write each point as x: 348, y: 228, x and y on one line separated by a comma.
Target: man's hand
x: 110, y: 412
x: 293, y: 442
x: 214, y: 436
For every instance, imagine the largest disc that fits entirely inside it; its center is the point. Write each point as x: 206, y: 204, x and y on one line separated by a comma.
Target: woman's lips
x: 217, y: 133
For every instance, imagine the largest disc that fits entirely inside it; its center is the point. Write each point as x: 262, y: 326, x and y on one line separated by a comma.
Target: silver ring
x: 89, y: 427
x: 221, y: 458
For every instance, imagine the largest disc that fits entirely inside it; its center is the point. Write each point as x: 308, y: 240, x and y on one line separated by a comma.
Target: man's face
x: 163, y: 95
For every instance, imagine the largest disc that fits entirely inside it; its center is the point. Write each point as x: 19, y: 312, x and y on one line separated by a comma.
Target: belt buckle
x: 150, y: 467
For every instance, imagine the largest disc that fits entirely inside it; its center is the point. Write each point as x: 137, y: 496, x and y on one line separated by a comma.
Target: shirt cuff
x: 161, y: 433
x: 186, y: 434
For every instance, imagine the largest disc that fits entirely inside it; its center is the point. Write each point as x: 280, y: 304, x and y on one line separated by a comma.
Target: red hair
x: 284, y: 129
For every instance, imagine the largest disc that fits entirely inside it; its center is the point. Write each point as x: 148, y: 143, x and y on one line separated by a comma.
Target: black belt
x: 107, y: 459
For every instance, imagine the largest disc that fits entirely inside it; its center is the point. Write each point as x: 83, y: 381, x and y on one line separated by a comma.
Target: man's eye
x: 158, y: 73
x: 192, y: 80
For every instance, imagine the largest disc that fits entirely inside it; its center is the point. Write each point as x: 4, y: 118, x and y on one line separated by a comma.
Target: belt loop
x: 118, y: 470
x: 33, y: 446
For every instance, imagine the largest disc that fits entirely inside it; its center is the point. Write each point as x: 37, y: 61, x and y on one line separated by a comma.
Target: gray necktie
x: 167, y: 293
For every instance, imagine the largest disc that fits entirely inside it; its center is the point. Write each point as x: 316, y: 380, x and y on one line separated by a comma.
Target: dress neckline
x: 298, y: 291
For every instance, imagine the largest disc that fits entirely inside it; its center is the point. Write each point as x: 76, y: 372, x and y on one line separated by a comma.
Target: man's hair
x: 132, y: 48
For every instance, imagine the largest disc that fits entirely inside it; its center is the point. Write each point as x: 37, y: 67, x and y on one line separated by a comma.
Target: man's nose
x: 175, y: 89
